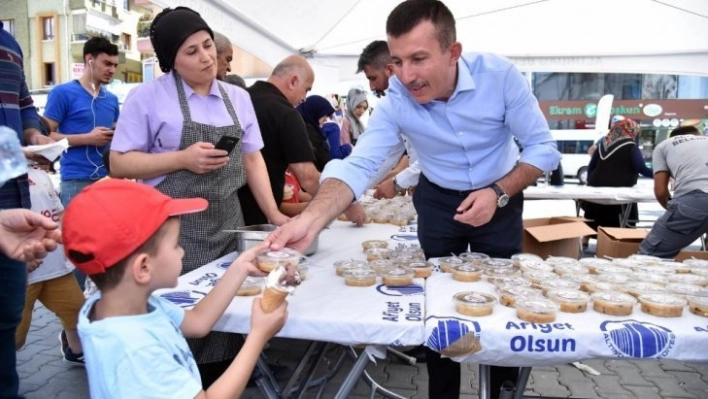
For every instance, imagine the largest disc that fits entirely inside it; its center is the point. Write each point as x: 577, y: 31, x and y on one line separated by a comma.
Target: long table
x: 599, y: 195
x: 323, y: 309
x: 624, y: 196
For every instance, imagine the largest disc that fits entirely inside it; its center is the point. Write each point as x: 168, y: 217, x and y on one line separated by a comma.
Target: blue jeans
x: 13, y: 285
x: 69, y: 190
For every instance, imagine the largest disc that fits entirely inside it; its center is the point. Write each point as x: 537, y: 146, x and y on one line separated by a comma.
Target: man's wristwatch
x: 502, y: 197
x: 397, y: 188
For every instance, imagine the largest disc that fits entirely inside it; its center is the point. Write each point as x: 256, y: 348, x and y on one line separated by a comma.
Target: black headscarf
x: 313, y: 108
x: 170, y: 29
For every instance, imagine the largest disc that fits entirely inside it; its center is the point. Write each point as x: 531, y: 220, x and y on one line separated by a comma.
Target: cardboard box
x: 615, y: 242
x: 691, y: 254
x: 556, y: 236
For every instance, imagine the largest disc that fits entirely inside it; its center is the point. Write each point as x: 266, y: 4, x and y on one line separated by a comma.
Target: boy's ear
x: 141, y: 269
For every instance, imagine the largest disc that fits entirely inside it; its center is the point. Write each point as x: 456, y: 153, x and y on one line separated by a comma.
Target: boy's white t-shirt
x: 143, y: 356
x: 45, y: 201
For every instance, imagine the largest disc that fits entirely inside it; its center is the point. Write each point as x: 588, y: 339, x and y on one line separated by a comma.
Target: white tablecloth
x: 323, y: 308
x: 509, y: 341
x: 600, y: 195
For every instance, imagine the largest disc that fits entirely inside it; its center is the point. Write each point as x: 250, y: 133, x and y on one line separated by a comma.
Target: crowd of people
x: 195, y: 153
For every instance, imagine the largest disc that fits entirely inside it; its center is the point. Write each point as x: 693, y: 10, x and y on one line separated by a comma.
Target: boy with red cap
x: 124, y: 236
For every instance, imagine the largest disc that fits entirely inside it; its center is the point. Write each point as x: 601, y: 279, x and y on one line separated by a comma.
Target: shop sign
x: 637, y: 109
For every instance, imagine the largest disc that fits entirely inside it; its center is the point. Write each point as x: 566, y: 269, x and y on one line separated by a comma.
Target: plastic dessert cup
x: 613, y: 303
x: 360, y: 277
x: 570, y: 301
x: 517, y: 258
x: 472, y: 303
x: 397, y: 277
x: 662, y: 305
x: 698, y: 305
x: 466, y: 272
x: 536, y: 310
x: 476, y: 258
x: 421, y: 269
x: 343, y: 265
x: 268, y: 260
x: 557, y: 284
x: 378, y: 253
x: 509, y: 294
x: 368, y: 244
x: 447, y: 263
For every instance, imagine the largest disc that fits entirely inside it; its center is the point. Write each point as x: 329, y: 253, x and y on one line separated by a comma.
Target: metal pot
x: 251, y: 236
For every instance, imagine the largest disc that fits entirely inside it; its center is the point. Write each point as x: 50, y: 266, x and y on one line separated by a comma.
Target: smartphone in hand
x: 227, y: 143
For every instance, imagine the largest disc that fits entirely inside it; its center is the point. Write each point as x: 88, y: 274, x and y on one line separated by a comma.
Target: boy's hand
x: 247, y: 260
x: 266, y: 325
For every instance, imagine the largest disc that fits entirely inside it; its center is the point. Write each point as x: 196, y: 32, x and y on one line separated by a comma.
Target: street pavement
x: 43, y: 375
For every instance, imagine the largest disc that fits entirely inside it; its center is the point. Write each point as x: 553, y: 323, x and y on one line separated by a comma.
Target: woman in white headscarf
x: 352, y: 127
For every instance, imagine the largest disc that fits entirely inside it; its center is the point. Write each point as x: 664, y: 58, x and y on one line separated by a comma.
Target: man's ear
x: 455, y: 52
x: 388, y: 70
x: 141, y: 268
x: 293, y: 81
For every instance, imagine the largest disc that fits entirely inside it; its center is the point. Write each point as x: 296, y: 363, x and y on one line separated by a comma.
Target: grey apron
x: 201, y: 234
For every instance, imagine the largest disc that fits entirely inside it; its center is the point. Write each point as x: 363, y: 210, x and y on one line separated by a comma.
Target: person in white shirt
x: 683, y: 156
x: 51, y: 280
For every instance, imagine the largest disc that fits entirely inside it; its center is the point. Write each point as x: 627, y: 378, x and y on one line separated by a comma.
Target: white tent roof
x: 637, y: 36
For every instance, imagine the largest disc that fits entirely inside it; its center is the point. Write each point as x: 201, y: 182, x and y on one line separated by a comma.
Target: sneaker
x: 76, y: 359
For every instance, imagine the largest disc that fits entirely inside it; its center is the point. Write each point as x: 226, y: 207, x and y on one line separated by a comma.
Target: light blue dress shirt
x: 463, y: 144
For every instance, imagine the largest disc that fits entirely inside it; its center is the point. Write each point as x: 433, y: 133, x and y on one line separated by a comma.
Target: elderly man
x: 224, y: 55
x: 285, y: 140
x: 461, y: 113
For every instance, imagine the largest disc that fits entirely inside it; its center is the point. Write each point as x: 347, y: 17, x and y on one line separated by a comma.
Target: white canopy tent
x: 625, y: 36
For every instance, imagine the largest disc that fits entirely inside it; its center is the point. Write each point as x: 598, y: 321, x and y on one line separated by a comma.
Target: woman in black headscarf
x: 324, y: 136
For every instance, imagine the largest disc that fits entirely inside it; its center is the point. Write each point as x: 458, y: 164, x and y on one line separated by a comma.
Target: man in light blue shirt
x: 460, y: 113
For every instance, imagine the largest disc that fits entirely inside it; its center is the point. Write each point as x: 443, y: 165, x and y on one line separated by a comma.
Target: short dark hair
x: 411, y: 13
x: 99, y: 45
x: 112, y: 276
x: 682, y: 130
x: 375, y: 55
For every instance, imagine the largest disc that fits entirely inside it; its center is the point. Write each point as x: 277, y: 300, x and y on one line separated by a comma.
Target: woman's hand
x: 201, y: 158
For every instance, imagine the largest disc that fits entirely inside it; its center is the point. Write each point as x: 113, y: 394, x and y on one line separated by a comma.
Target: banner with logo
x: 323, y: 308
x: 509, y: 341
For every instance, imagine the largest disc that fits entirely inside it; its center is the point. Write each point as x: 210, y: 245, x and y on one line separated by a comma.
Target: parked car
x: 574, y: 145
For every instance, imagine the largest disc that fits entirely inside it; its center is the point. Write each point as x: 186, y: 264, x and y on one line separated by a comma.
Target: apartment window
x: 9, y: 26
x: 48, y: 28
x: 126, y: 41
x: 49, y: 74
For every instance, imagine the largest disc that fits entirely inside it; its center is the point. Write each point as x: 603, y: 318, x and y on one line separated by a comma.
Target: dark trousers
x: 440, y: 235
x: 13, y: 285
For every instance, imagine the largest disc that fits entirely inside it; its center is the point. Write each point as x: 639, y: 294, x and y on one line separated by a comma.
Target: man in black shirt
x: 285, y: 140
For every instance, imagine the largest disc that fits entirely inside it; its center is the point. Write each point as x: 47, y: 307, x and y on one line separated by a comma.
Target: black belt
x: 459, y: 193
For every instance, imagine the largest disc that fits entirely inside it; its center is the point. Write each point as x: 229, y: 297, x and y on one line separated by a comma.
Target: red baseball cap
x: 110, y: 219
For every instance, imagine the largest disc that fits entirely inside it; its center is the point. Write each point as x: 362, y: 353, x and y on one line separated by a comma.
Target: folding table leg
x: 353, y: 377
x: 521, y: 381
x: 484, y: 383
x: 266, y: 383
